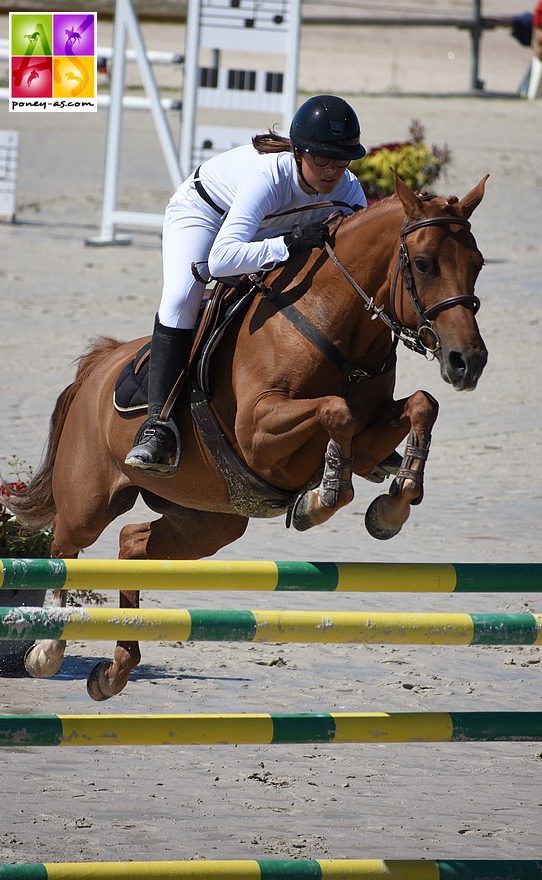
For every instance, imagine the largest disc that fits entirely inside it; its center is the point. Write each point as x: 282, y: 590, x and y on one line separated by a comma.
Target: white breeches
x: 190, y: 228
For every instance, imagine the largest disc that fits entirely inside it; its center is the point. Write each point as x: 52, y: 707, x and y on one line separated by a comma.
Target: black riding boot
x: 157, y: 444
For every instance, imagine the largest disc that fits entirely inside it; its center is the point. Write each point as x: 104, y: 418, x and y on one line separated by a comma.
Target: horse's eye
x: 422, y: 265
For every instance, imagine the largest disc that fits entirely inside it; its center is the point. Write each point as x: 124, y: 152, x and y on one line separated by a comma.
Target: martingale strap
x: 353, y: 372
x: 301, y: 323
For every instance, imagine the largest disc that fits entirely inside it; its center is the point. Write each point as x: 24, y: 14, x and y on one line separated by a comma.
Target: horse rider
x: 219, y: 218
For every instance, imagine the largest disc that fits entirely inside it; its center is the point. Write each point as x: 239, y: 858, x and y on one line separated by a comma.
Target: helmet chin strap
x: 297, y: 157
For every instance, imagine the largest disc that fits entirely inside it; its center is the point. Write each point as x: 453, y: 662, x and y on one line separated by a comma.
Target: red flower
x: 16, y: 486
x: 391, y: 146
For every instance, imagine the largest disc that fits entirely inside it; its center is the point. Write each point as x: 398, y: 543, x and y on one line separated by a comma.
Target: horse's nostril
x: 456, y: 361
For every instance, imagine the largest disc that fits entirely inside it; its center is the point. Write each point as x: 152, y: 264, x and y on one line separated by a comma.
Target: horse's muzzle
x: 462, y: 369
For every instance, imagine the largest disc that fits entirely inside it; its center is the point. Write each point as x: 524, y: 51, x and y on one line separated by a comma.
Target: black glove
x: 313, y: 235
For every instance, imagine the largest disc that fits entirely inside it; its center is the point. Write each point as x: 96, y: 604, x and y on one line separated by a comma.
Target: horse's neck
x: 366, y: 245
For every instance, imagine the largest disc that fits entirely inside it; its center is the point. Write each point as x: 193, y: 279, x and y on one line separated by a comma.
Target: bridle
x: 425, y: 316
x: 412, y: 339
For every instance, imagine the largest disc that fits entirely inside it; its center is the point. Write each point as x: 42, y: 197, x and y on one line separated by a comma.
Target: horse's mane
x: 390, y: 203
x: 382, y: 205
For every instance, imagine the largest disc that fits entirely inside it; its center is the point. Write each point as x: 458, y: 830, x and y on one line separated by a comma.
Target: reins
x: 330, y: 203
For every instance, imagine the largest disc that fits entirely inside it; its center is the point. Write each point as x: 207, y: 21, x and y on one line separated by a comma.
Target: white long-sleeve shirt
x: 250, y: 186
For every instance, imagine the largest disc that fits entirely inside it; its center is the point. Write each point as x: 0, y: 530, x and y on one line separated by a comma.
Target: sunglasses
x: 323, y: 161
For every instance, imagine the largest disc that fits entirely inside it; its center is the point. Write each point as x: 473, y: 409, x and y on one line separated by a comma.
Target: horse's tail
x: 35, y: 506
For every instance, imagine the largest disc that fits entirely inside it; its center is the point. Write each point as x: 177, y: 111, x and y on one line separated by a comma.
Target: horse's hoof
x: 374, y: 524
x: 43, y: 660
x: 98, y: 685
x: 301, y: 519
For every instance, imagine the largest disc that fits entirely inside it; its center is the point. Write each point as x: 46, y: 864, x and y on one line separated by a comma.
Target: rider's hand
x: 313, y: 235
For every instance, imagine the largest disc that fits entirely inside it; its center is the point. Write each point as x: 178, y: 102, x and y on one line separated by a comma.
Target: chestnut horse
x: 303, y: 389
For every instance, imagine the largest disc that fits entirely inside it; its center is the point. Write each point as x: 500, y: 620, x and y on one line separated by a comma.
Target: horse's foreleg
x: 415, y: 419
x: 335, y: 490
x: 287, y: 433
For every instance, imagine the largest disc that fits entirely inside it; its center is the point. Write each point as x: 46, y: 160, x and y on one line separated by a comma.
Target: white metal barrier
x: 534, y: 89
x: 9, y: 156
x: 126, y: 23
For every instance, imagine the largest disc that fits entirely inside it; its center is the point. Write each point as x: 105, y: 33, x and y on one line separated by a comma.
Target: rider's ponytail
x: 271, y: 142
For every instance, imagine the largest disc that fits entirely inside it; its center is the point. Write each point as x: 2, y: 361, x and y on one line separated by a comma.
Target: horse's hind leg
x: 179, y: 534
x: 45, y: 657
x: 107, y: 679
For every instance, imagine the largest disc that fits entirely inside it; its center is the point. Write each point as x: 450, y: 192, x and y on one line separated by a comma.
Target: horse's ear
x: 473, y: 198
x: 411, y: 203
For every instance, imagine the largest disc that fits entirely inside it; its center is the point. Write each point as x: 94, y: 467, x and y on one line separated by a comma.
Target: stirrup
x: 152, y: 467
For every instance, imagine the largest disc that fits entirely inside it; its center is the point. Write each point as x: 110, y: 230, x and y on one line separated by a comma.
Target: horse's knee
x: 425, y: 405
x: 337, y: 419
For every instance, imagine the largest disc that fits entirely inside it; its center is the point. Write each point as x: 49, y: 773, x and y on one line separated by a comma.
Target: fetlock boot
x: 157, y: 443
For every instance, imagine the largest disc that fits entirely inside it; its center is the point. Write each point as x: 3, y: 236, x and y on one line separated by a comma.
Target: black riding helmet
x: 327, y: 126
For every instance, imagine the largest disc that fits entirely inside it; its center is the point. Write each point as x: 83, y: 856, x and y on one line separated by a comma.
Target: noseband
x: 413, y: 339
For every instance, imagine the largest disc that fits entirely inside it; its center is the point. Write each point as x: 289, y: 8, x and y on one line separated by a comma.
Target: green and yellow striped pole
x: 126, y: 574
x: 271, y: 627
x: 280, y: 869
x: 265, y: 729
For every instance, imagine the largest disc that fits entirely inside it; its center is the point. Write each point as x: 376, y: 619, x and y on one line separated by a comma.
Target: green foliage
x: 416, y: 163
x: 17, y: 542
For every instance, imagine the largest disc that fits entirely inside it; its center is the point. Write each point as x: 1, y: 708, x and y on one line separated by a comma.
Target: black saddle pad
x: 130, y: 395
